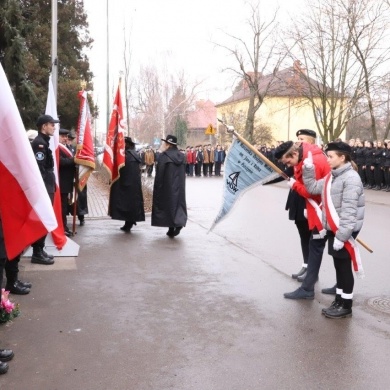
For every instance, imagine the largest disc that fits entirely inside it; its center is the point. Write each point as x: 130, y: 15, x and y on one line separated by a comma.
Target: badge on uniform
x: 41, y: 146
x: 40, y: 156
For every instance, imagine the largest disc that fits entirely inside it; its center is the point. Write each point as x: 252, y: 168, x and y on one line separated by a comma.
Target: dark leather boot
x: 6, y: 355
x: 3, y: 368
x: 39, y: 258
x: 49, y: 256
x: 16, y: 289
x: 170, y: 232
x: 127, y: 227
x: 24, y: 284
x: 299, y: 273
x: 343, y: 310
x: 337, y: 302
x: 177, y: 231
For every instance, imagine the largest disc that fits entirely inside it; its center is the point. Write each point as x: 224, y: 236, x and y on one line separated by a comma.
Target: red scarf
x: 334, y: 221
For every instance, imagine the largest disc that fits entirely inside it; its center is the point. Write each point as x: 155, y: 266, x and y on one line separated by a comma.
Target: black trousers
x: 218, y: 168
x: 12, y: 270
x: 304, y: 234
x: 2, y: 265
x: 344, y: 274
x: 211, y: 165
x: 64, y: 208
x: 205, y: 168
x: 316, y: 250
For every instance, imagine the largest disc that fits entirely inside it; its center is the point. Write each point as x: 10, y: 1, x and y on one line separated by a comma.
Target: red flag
x: 25, y: 207
x: 58, y: 234
x: 114, y: 150
x: 85, y: 156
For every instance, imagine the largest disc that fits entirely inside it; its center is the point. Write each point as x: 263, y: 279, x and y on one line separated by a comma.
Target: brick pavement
x: 98, y: 194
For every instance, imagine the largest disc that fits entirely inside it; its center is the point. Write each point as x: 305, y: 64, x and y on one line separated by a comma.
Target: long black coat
x: 126, y: 199
x: 169, y: 192
x: 66, y: 171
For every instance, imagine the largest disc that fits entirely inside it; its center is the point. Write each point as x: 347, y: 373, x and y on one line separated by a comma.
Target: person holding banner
x: 169, y: 197
x: 45, y: 161
x: 343, y: 207
x: 292, y: 155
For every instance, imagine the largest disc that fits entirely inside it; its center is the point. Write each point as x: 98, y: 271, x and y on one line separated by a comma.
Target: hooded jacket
x: 169, y: 196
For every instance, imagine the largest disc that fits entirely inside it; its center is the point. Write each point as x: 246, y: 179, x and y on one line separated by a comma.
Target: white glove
x: 337, y: 244
x: 305, y: 213
x: 308, y: 161
x: 291, y: 182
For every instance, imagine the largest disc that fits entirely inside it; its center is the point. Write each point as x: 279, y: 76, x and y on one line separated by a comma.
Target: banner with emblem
x: 244, y: 169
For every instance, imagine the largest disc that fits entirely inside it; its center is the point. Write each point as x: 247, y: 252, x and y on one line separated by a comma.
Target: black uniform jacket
x: 44, y: 158
x: 126, y: 199
x: 67, y: 170
x: 169, y: 193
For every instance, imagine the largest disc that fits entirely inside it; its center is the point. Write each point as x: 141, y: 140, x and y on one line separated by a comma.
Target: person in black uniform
x: 386, y: 166
x: 126, y: 199
x: 369, y: 164
x: 67, y: 169
x: 45, y: 161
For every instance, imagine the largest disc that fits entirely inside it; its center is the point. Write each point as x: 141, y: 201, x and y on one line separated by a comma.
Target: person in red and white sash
x: 342, y: 215
x: 292, y: 155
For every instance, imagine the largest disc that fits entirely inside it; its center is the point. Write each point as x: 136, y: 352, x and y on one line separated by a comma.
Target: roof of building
x: 291, y: 82
x: 203, y: 114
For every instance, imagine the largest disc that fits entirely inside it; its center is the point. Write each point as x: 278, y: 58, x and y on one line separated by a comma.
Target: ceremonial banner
x: 114, y: 149
x: 85, y: 156
x: 25, y: 207
x: 58, y: 234
x: 243, y: 170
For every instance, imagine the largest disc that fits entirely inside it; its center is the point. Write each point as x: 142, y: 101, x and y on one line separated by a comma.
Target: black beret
x: 282, y: 149
x: 310, y: 133
x: 64, y: 132
x: 342, y: 147
x: 130, y: 141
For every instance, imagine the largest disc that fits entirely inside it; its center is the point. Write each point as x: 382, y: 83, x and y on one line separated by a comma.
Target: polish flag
x: 114, y: 150
x: 58, y: 234
x: 25, y: 207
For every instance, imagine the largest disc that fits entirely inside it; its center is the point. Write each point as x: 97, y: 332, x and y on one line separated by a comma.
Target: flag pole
x: 231, y: 130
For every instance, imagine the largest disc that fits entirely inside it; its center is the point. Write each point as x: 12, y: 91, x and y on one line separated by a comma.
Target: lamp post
x: 54, y: 60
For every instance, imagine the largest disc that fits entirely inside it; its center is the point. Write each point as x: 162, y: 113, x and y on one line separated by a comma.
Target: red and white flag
x: 85, y: 156
x: 58, y: 234
x: 25, y: 207
x: 114, y: 150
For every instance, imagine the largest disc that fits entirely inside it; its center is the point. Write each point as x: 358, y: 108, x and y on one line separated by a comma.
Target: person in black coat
x: 169, y: 197
x: 67, y: 169
x: 45, y: 161
x: 126, y: 199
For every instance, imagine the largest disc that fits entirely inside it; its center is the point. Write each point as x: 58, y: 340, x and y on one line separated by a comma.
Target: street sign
x: 210, y: 130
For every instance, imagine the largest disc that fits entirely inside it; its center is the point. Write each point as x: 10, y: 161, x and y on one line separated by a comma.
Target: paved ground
x: 202, y: 311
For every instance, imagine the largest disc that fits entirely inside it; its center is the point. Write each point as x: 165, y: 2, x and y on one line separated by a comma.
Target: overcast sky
x: 173, y: 34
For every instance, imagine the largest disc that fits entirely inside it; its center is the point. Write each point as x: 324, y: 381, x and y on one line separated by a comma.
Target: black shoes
x: 342, y: 310
x: 302, y: 277
x: 82, y: 222
x: 174, y: 231
x: 6, y: 355
x: 16, y: 289
x: 299, y: 273
x: 336, y: 303
x: 38, y: 257
x: 127, y: 226
x: 24, y: 284
x: 299, y: 293
x: 330, y: 290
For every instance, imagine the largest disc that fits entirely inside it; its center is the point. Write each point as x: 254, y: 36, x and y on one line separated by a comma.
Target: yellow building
x: 285, y: 108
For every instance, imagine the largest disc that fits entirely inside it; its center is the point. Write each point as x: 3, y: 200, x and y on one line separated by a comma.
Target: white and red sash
x: 334, y: 222
x: 317, y: 217
x: 65, y: 150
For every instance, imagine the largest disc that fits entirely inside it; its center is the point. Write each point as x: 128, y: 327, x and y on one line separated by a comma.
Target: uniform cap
x: 46, y: 119
x: 64, y: 132
x: 342, y: 147
x: 310, y: 133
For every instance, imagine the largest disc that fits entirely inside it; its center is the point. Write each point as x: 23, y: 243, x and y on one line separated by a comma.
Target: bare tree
x: 368, y: 21
x: 128, y: 81
x: 254, y: 60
